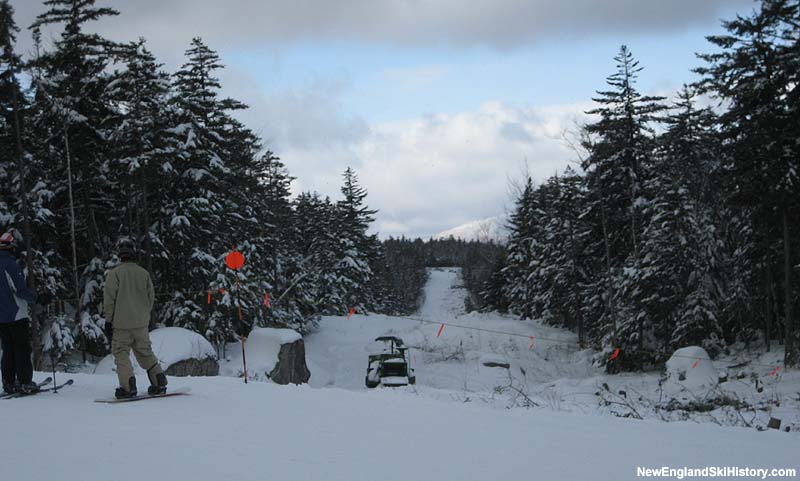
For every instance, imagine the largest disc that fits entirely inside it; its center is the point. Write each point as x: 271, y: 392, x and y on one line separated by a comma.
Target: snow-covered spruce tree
x: 70, y: 85
x: 684, y: 251
x: 542, y: 294
x: 557, y: 271
x: 284, y: 273
x: 755, y: 73
x: 317, y: 229
x: 620, y: 146
x: 515, y: 271
x: 144, y: 148
x: 58, y: 340
x: 356, y: 248
x: 194, y: 229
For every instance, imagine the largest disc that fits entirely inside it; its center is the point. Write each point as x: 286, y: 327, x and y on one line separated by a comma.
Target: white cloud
x: 431, y: 173
x: 477, y: 23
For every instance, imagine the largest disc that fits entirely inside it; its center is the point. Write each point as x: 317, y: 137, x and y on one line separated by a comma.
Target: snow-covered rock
x: 274, y: 354
x: 691, y: 368
x: 181, y: 352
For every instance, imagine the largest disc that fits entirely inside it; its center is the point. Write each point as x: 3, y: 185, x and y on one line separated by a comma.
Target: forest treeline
x: 681, y: 226
x: 99, y: 143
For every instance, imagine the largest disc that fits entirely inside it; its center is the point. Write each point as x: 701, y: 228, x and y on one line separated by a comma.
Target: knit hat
x: 7, y: 241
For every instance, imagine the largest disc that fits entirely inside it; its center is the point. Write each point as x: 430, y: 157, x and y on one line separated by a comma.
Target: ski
x: 39, y: 386
x: 181, y: 391
x: 18, y: 395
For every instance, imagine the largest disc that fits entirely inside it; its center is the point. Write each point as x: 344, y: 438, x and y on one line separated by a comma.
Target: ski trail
x: 451, y: 364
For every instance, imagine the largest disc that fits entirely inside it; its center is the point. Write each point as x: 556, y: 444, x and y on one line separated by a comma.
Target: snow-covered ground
x: 548, y: 370
x: 228, y: 431
x: 452, y: 425
x: 453, y: 361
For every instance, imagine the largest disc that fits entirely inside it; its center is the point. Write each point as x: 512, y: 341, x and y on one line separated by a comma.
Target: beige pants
x: 137, y: 340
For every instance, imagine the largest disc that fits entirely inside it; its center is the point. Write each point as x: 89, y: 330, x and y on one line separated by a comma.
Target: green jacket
x: 128, y: 296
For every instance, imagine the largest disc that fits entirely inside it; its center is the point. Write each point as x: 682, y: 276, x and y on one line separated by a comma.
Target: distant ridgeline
x: 682, y: 227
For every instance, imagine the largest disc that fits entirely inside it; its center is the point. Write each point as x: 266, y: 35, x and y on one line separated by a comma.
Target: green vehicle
x: 392, y: 367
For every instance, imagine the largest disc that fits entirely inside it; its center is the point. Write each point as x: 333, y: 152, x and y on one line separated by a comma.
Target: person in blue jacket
x: 15, y: 330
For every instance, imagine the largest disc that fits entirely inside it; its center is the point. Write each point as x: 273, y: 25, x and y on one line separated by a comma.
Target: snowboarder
x: 15, y: 330
x: 127, y: 300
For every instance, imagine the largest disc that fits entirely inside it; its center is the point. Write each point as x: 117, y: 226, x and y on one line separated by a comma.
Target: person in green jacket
x: 127, y: 300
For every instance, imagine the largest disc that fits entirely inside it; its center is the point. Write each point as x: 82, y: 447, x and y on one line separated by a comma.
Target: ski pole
x: 55, y: 381
x: 244, y: 359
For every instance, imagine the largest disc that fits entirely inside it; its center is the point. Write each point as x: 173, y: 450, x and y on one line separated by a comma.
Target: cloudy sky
x: 435, y: 103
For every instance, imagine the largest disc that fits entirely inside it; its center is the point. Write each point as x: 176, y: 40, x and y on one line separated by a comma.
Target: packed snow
x: 547, y: 368
x: 226, y: 430
x: 455, y: 424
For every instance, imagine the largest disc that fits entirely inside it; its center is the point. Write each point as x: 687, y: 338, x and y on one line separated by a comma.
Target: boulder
x: 291, y: 366
x: 690, y: 368
x: 278, y: 355
x: 194, y: 367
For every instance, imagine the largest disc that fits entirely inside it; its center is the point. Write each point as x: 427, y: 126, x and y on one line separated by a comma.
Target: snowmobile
x: 392, y: 367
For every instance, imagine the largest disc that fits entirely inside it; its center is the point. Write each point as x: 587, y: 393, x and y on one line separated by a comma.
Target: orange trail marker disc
x: 614, y: 354
x: 351, y: 312
x: 441, y: 328
x: 266, y: 299
x: 209, y: 298
x: 533, y: 338
x: 775, y: 371
x: 696, y: 363
x: 222, y: 291
x: 234, y: 260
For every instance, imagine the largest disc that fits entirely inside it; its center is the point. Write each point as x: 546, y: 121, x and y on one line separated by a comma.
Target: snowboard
x: 181, y: 391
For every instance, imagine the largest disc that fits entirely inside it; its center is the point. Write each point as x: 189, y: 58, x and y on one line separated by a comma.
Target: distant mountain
x: 492, y: 228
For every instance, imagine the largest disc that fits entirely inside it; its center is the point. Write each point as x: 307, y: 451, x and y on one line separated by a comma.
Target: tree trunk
x: 74, y: 246
x: 609, y: 285
x: 790, y: 355
x: 27, y: 231
x: 148, y: 248
x: 767, y: 301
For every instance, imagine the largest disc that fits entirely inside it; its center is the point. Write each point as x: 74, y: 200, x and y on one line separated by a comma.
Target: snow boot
x: 121, y: 393
x: 159, y: 386
x: 10, y: 389
x: 29, y: 388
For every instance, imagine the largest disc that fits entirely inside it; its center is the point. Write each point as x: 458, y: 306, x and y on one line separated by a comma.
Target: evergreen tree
x: 755, y: 73
x: 194, y: 213
x: 70, y: 85
x: 620, y: 145
x: 519, y: 250
x: 356, y: 248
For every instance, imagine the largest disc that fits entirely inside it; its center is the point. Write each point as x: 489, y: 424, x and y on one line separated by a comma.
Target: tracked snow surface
x: 458, y: 423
